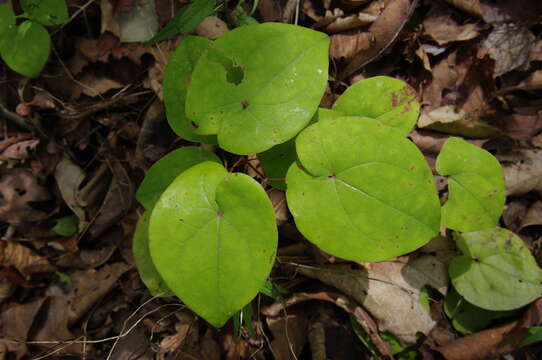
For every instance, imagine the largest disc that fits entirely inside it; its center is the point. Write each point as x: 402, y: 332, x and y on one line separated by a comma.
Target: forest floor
x: 76, y: 141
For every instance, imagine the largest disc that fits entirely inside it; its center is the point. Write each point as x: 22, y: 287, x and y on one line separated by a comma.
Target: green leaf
x: 468, y: 318
x: 273, y: 290
x: 496, y: 271
x: 252, y: 98
x: 361, y: 191
x: 165, y: 170
x: 276, y: 162
x: 535, y: 336
x: 475, y: 186
x: 185, y: 20
x: 388, y: 100
x: 363, y: 336
x: 66, y: 226
x: 213, y: 240
x: 7, y: 24
x: 145, y: 267
x: 28, y: 49
x: 176, y: 80
x: 243, y: 20
x: 46, y: 12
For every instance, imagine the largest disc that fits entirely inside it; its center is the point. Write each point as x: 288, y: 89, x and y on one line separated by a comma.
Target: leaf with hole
x: 361, y: 191
x: 46, y: 12
x: 28, y: 49
x: 213, y: 240
x: 475, y: 186
x: 388, y: 100
x: 496, y: 270
x: 165, y: 170
x: 176, y: 80
x: 252, y: 98
x: 142, y: 257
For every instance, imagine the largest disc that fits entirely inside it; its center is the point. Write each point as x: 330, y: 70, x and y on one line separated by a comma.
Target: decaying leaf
x: 289, y: 333
x: 212, y: 28
x: 525, y: 174
x: 387, y: 289
x: 443, y: 28
x: 25, y: 260
x: 19, y: 189
x: 69, y: 178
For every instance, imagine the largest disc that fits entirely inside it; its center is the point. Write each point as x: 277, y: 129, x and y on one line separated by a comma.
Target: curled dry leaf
x: 389, y: 288
x: 21, y: 150
x: 278, y: 199
x: 69, y: 178
x: 350, y: 43
x: 18, y: 190
x: 385, y: 30
x: 289, y: 333
x: 25, y: 260
x: 491, y: 343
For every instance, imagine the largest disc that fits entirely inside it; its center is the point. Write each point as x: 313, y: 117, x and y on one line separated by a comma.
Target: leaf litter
x: 99, y: 125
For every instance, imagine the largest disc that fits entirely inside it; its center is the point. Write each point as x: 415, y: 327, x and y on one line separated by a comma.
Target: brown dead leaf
x: 209, y: 348
x: 21, y: 150
x: 69, y: 178
x: 349, y: 22
x: 289, y: 333
x: 212, y: 28
x: 441, y: 26
x: 89, y: 286
x: 387, y: 289
x: 533, y: 217
x: 385, y: 30
x: 448, y: 119
x: 16, y: 323
x: 278, y: 199
x: 510, y: 46
x: 341, y: 301
x: 525, y: 174
x: 24, y: 259
x: 350, y: 43
x: 491, y: 343
x: 18, y: 190
x: 94, y: 85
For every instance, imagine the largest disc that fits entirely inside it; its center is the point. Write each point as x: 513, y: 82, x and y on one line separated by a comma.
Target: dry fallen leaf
x: 289, y: 333
x: 18, y: 190
x: 24, y: 259
x: 525, y: 174
x: 443, y: 28
x: 69, y: 178
x: 212, y: 28
x: 387, y: 289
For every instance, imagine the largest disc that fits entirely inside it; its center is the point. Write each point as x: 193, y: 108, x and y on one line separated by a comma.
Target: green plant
x: 25, y: 48
x: 355, y: 185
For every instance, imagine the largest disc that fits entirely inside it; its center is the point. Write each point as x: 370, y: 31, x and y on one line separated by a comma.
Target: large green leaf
x: 253, y: 98
x: 28, y: 49
x: 361, y: 191
x: 185, y: 20
x: 145, y: 267
x: 468, y: 318
x: 388, y: 100
x: 165, y: 170
x: 7, y: 24
x: 475, y: 186
x: 213, y: 240
x: 496, y: 271
x: 46, y: 12
x: 176, y: 81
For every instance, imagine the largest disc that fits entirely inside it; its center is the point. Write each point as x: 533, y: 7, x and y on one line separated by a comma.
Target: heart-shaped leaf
x: 176, y: 80
x: 142, y: 256
x: 252, y: 98
x: 165, y: 170
x: 496, y: 271
x: 277, y: 160
x: 28, y: 49
x: 475, y: 186
x: 46, y: 12
x: 361, y: 191
x: 388, y: 100
x: 213, y: 240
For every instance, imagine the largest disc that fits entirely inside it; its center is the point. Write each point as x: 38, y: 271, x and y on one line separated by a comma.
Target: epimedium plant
x: 25, y: 47
x: 356, y: 186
